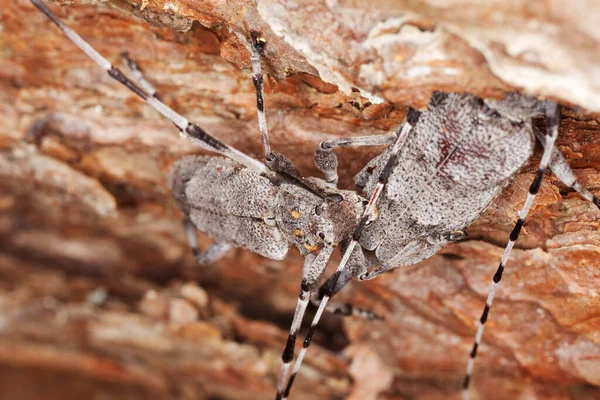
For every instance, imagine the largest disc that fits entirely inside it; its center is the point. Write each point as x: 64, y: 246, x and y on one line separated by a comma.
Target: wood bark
x: 100, y: 296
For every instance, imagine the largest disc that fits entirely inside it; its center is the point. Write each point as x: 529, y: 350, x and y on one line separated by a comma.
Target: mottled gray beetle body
x: 460, y: 155
x: 236, y: 205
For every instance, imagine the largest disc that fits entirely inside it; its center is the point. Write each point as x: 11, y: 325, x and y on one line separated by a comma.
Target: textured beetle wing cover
x: 452, y: 166
x: 230, y: 203
x: 255, y: 235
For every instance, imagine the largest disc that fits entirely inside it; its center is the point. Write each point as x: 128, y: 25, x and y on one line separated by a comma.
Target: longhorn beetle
x: 441, y: 169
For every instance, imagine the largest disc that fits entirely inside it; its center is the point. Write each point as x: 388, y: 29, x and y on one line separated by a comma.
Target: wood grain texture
x: 99, y: 293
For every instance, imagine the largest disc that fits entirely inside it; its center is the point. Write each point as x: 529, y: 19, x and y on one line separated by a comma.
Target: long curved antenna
x: 405, y: 129
x: 552, y: 116
x: 187, y: 129
x: 314, y: 269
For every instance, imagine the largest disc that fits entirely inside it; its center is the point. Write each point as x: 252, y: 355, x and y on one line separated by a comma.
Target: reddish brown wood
x: 99, y: 294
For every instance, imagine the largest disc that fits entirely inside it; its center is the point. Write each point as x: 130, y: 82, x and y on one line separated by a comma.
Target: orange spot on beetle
x: 311, y: 248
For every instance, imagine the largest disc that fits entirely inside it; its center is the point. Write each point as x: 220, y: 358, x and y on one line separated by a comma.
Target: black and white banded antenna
x: 552, y: 120
x: 187, y: 129
x: 366, y: 218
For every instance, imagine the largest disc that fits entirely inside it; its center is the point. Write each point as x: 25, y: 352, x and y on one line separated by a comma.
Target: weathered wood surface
x: 99, y: 294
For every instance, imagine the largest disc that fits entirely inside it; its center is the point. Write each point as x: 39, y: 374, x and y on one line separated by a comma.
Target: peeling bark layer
x: 99, y: 292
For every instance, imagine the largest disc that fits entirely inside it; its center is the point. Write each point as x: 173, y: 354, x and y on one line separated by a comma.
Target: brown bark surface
x: 99, y: 293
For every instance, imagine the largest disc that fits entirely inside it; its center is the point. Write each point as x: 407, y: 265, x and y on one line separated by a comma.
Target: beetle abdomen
x: 229, y: 202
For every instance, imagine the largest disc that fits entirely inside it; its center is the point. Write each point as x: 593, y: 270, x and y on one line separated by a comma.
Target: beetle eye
x: 334, y: 198
x: 321, y: 235
x: 457, y: 236
x: 318, y: 209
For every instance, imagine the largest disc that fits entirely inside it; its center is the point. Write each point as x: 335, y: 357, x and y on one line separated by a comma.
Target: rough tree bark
x: 99, y: 293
